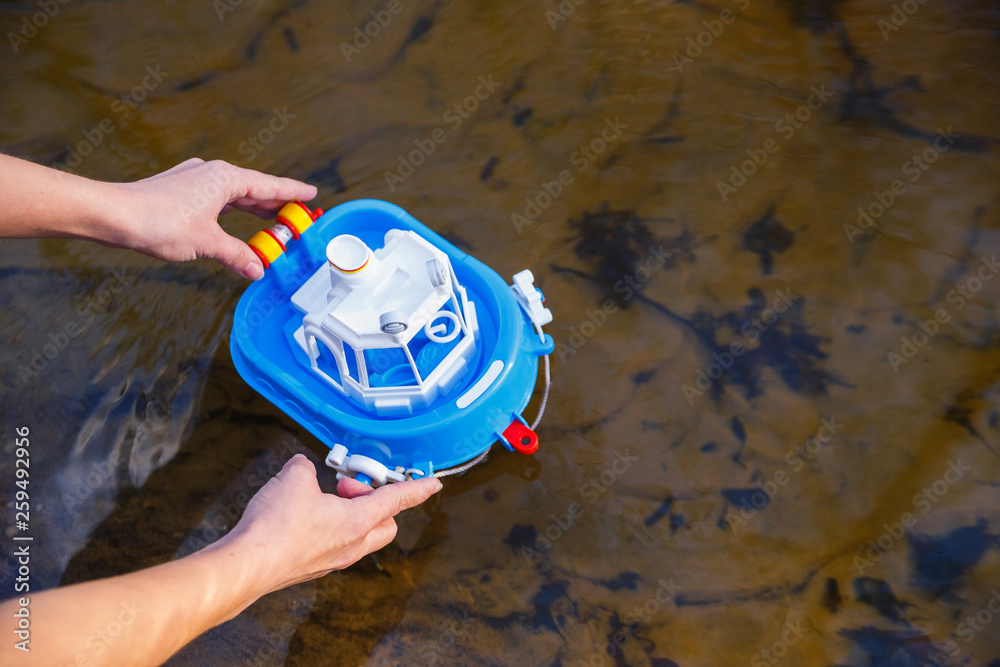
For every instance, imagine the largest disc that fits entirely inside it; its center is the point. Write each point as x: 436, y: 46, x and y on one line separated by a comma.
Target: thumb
x: 351, y: 488
x: 235, y: 255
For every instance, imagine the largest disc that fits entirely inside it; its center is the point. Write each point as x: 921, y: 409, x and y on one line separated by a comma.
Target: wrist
x: 78, y: 207
x: 103, y: 214
x: 253, y: 557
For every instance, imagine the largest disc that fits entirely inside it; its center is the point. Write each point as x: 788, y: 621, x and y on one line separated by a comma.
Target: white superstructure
x: 392, y: 329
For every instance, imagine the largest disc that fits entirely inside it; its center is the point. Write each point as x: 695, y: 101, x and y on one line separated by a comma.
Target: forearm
x: 171, y: 216
x: 290, y: 532
x: 39, y: 201
x: 144, y: 617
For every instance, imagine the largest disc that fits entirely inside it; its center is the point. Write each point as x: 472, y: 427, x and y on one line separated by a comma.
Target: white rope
x: 462, y: 468
x: 538, y: 418
x: 548, y: 384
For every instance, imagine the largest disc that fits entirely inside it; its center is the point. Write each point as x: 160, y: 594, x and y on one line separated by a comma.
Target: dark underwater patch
x: 623, y: 246
x: 742, y: 497
x: 194, y: 83
x: 892, y: 648
x: 329, y: 176
x: 767, y: 237
x: 624, y: 580
x: 939, y: 562
x: 737, y: 427
x: 878, y: 594
x: 866, y: 103
x: 488, y: 169
x: 663, y: 510
x: 521, y: 536
x: 522, y: 117
x: 816, y: 16
x: 642, y: 377
x: 543, y: 602
x: 289, y: 35
x: 831, y: 595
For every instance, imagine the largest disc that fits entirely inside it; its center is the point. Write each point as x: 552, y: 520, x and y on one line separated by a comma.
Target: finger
x: 267, y: 211
x: 235, y: 255
x: 298, y: 468
x: 349, y: 488
x: 391, y: 499
x: 252, y: 202
x: 380, y: 535
x: 252, y: 184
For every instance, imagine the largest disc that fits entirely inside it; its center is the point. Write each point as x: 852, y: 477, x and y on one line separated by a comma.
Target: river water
x: 768, y: 235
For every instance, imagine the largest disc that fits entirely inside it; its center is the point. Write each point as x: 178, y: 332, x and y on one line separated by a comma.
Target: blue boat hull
x: 445, y: 435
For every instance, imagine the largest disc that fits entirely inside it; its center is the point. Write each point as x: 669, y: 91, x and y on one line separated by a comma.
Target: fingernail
x: 254, y: 271
x: 439, y: 485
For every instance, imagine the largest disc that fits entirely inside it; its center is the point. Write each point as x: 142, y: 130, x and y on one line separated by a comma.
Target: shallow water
x: 711, y: 496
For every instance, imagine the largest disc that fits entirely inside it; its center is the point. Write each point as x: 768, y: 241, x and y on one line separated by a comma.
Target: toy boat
x: 404, y: 355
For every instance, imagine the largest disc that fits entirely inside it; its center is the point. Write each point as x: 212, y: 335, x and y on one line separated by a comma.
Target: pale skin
x: 171, y: 216
x: 290, y: 532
